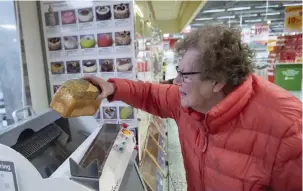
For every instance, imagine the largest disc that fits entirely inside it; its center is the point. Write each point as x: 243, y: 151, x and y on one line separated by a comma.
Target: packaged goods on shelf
x: 153, y: 165
x: 285, y: 62
x: 287, y: 50
x: 153, y: 142
x: 151, y: 173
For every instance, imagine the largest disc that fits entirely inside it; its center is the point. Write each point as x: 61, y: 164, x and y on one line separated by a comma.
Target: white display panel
x: 91, y: 38
x: 8, y: 178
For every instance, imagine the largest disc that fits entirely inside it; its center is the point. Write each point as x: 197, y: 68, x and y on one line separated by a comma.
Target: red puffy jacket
x: 249, y: 141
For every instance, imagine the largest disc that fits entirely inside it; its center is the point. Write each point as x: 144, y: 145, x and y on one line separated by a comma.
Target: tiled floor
x: 177, y: 181
x: 176, y: 178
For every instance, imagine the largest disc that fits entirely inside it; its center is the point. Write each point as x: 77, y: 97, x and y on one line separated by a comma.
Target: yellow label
x: 293, y: 19
x: 293, y: 23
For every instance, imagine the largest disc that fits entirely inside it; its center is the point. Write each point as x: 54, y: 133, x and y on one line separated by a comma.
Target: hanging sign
x: 259, y: 36
x: 293, y: 19
x: 261, y: 32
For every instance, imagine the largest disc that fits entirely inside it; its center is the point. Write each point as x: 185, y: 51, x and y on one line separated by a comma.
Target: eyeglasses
x: 182, y: 74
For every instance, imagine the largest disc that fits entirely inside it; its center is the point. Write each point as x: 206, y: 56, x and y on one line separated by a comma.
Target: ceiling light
x: 233, y: 21
x: 275, y: 13
x: 252, y: 15
x: 276, y: 26
x: 253, y: 21
x: 238, y: 8
x: 264, y: 6
x: 197, y: 24
x: 8, y: 26
x: 204, y: 19
x: 138, y: 11
x: 226, y: 17
x: 252, y: 11
x: 214, y: 11
x: 294, y: 4
x: 277, y: 19
x: 166, y: 35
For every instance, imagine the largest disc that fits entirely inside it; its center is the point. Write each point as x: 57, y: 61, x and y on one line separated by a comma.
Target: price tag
x: 259, y: 36
x: 261, y: 32
x: 8, y: 180
x: 293, y: 19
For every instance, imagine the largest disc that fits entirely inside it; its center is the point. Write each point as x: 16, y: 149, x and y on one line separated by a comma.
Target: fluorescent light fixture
x: 148, y: 24
x: 204, y: 19
x: 264, y: 6
x: 214, y: 11
x: 138, y: 11
x: 233, y: 21
x: 275, y: 13
x: 166, y: 35
x: 197, y: 24
x: 238, y: 8
x: 252, y: 15
x: 252, y: 11
x: 276, y: 26
x: 226, y: 17
x: 294, y: 4
x: 277, y: 19
x: 9, y: 27
x: 253, y: 21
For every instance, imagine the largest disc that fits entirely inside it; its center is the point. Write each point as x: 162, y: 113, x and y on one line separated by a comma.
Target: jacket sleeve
x: 287, y: 170
x: 158, y: 99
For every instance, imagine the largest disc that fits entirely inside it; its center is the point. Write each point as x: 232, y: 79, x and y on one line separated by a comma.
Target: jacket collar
x: 229, y: 107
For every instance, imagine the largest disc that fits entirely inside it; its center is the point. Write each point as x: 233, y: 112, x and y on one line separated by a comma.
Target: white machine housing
x: 29, y: 178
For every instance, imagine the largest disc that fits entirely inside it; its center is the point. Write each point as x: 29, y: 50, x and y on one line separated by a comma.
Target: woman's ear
x: 218, y: 86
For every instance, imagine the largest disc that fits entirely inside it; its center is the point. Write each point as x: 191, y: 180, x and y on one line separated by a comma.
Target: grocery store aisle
x: 177, y: 181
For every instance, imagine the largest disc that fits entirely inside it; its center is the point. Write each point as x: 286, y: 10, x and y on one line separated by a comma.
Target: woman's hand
x: 107, y: 88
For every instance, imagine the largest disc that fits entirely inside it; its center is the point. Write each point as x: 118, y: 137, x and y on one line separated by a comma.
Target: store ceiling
x: 166, y: 10
x: 251, y: 12
x: 170, y: 16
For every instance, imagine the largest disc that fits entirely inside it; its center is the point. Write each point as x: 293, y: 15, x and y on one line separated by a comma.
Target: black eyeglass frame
x: 182, y: 74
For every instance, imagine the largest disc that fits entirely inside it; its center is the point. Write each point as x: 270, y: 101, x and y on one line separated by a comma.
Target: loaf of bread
x: 76, y: 98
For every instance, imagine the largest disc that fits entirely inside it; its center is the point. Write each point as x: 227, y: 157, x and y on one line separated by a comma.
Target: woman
x: 237, y: 131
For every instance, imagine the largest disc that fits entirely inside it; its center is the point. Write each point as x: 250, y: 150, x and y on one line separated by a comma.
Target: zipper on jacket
x: 204, y: 149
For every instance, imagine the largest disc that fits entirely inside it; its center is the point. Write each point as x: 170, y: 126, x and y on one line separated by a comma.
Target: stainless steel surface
x: 9, y: 135
x: 101, y: 146
x: 44, y: 139
x: 132, y: 180
x: 29, y: 109
x: 38, y: 141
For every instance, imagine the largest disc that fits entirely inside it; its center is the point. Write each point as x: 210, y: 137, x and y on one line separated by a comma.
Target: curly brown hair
x: 223, y: 57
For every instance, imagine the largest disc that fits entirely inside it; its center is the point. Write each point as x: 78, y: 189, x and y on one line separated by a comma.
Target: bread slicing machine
x: 44, y: 158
